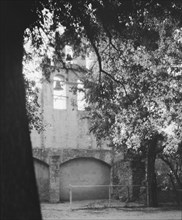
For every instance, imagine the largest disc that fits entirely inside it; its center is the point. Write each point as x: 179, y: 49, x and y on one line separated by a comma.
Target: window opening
x: 59, y: 93
x: 81, y: 101
x: 68, y: 54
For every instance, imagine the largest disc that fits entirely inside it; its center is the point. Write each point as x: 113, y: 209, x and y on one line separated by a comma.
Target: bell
x: 58, y: 85
x: 69, y: 57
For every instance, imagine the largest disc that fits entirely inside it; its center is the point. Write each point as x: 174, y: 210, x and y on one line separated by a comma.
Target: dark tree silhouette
x: 19, y: 195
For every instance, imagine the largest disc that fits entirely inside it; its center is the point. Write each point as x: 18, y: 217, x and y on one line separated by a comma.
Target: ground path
x: 61, y: 211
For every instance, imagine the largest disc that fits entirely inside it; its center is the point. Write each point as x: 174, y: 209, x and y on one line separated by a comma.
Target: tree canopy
x: 137, y: 45
x: 137, y: 48
x: 134, y: 86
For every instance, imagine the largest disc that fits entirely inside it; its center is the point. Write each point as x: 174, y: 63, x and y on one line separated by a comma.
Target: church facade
x: 65, y: 152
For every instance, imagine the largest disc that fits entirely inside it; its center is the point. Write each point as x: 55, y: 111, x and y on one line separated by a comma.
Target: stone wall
x: 68, y: 154
x: 122, y: 176
x: 55, y: 157
x: 63, y: 128
x: 42, y: 177
x: 130, y: 174
x: 138, y: 181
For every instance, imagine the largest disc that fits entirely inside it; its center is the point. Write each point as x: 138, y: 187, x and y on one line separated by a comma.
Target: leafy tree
x: 32, y: 105
x: 96, y: 21
x: 135, y: 48
x: 144, y: 101
x: 133, y: 91
x: 36, y: 49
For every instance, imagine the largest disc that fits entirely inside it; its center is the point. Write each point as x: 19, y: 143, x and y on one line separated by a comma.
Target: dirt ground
x: 86, y: 210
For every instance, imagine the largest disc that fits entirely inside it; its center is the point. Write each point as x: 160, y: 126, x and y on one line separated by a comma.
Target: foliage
x: 137, y: 45
x: 169, y: 173
x: 33, y: 106
x: 135, y: 49
x: 134, y: 89
x: 31, y: 73
x: 146, y: 97
x: 174, y: 163
x: 38, y: 55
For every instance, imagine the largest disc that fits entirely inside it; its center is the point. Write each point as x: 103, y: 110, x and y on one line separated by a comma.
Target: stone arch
x: 86, y: 157
x: 101, y: 155
x: 41, y: 154
x: 41, y: 162
x: 42, y: 177
x: 90, y: 177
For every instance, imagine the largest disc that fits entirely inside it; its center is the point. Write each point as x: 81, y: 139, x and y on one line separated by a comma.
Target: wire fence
x: 180, y: 200
x: 101, y: 196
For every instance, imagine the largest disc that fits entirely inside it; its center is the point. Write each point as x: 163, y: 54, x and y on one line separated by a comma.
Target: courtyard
x: 79, y: 211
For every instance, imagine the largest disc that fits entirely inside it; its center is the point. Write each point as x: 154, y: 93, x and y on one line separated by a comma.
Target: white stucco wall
x: 65, y: 128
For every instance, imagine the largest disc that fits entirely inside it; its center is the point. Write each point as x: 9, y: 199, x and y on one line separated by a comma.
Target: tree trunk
x: 19, y: 195
x: 151, y: 176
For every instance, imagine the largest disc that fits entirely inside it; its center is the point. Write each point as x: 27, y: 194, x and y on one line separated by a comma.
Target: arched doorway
x: 42, y: 178
x: 87, y: 174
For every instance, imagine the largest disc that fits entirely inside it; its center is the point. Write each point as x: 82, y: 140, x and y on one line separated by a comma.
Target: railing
x: 120, y: 194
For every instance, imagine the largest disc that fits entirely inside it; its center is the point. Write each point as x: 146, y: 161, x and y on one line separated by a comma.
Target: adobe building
x: 65, y: 152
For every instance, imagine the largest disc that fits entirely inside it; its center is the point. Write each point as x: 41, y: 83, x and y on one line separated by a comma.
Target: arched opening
x: 42, y: 178
x: 81, y: 101
x: 59, y: 92
x: 90, y: 179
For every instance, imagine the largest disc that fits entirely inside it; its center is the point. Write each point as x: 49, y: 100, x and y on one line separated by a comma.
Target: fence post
x: 147, y: 180
x: 70, y: 191
x: 180, y: 200
x: 128, y: 191
x: 109, y: 195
